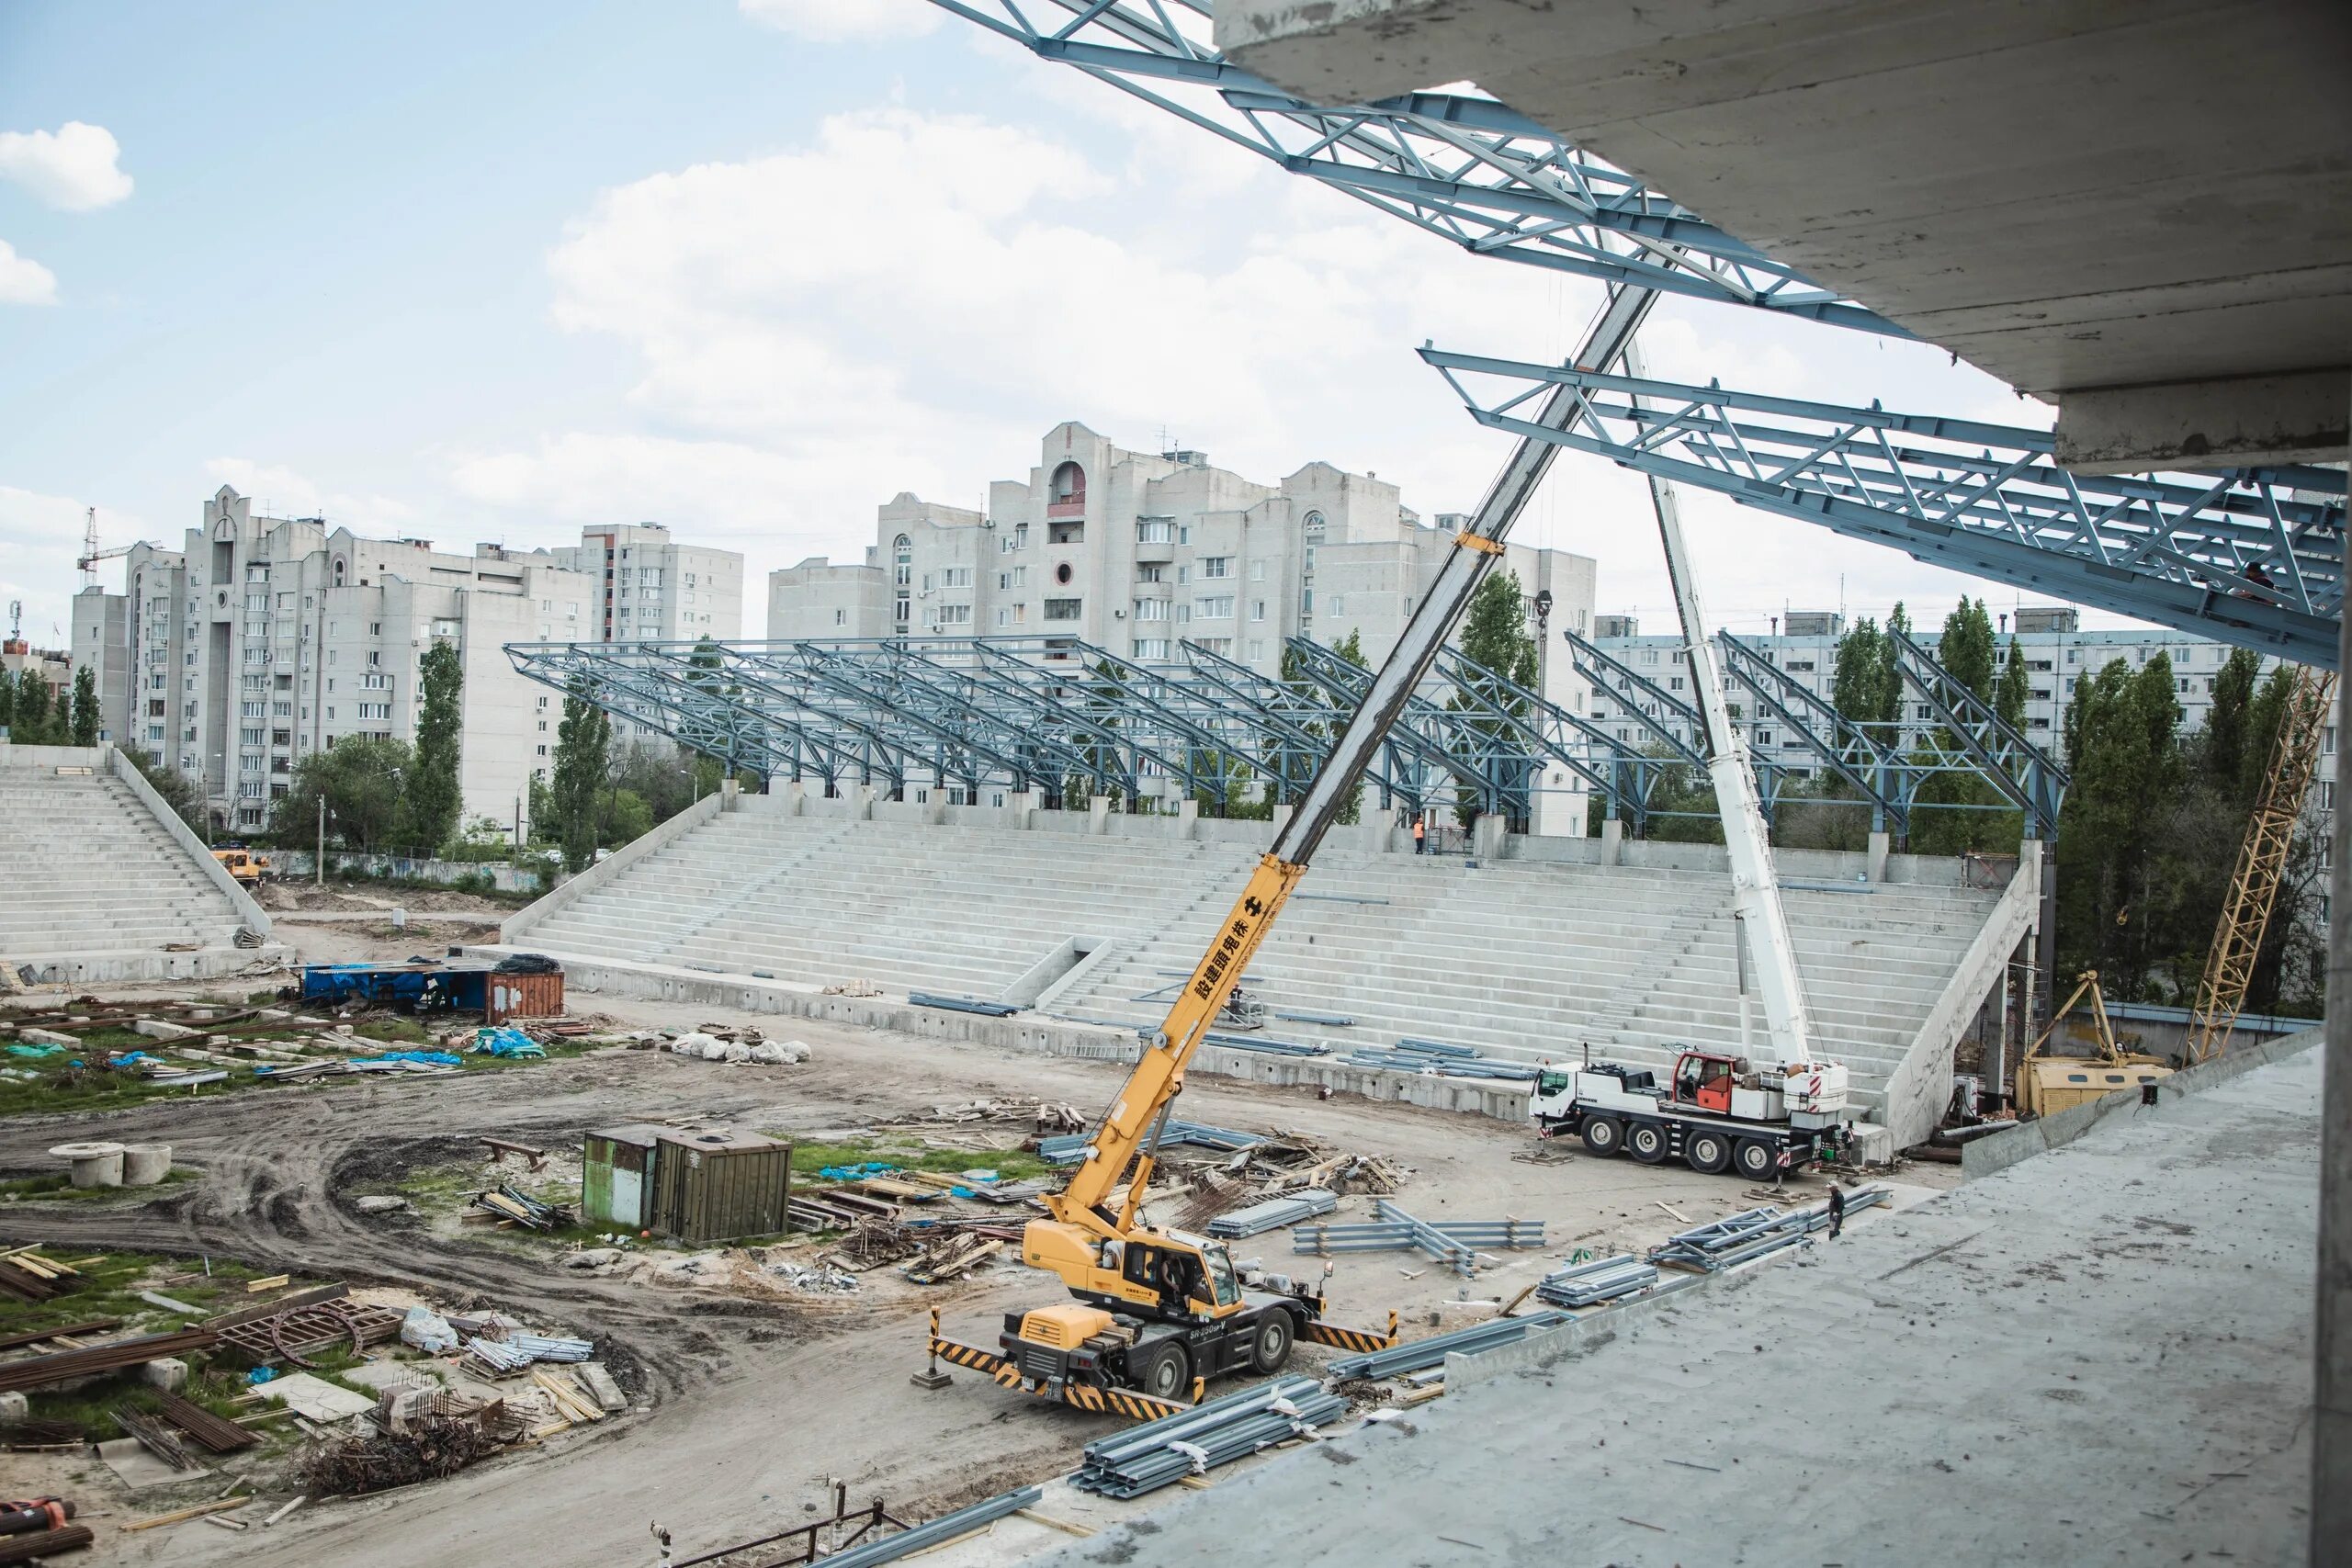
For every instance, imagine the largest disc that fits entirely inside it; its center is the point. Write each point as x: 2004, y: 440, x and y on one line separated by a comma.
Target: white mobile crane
x: 1155, y: 1312
x: 1717, y: 1111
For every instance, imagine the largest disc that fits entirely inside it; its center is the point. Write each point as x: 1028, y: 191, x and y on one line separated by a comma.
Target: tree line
x: 35, y: 715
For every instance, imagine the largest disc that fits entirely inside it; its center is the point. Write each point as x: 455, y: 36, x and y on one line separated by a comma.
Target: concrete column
x: 1613, y: 842
x: 796, y: 797
x: 1281, y: 819
x: 861, y: 802
x: 1023, y: 806
x: 2332, y: 1392
x: 934, y: 807
x: 728, y: 792
x: 1880, y: 844
x: 1098, y: 816
x: 1486, y: 836
x: 1188, y: 817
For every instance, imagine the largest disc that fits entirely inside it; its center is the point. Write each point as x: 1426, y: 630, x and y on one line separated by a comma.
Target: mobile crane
x: 1157, y: 1311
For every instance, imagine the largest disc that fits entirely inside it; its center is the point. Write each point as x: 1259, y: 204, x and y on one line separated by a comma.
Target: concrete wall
x: 504, y: 875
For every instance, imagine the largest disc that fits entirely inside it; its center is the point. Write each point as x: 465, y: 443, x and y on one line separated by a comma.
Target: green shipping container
x: 616, y: 1176
x: 712, y: 1184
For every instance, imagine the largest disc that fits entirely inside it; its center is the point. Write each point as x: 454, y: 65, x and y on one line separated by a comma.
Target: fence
x: 294, y: 865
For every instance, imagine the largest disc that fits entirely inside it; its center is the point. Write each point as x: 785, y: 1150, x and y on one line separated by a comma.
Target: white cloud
x: 24, y: 281
x: 844, y: 21
x: 280, y: 491
x: 74, y: 167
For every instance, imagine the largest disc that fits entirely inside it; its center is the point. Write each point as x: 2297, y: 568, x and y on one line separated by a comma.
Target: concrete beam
x: 2304, y: 417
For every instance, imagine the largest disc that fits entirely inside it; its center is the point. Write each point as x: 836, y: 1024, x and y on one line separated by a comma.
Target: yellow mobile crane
x: 1159, y: 1311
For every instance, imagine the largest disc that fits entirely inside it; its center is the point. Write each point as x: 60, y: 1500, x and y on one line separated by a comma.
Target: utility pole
x: 319, y: 867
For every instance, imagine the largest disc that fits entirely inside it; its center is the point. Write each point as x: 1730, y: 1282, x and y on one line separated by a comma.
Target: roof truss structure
x: 2252, y: 556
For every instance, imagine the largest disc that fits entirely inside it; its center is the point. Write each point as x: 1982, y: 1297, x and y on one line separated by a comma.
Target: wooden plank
x: 95, y: 1325
x: 219, y: 1506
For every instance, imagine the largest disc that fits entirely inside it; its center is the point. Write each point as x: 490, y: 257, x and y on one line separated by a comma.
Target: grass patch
x: 394, y: 1030
x: 109, y: 1286
x: 58, y: 1187
x: 909, y: 1153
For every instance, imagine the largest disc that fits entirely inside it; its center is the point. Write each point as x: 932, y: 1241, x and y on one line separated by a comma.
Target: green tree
x: 2225, y: 721
x: 430, y: 800
x: 360, y: 778
x: 1859, y: 689
x: 1966, y: 648
x: 85, y: 707
x: 8, y: 707
x: 178, y: 793
x: 582, y: 759
x: 625, y: 817
x: 33, y: 726
x: 2264, y: 715
x: 2010, y: 692
x: 1494, y: 634
x: 2115, y: 899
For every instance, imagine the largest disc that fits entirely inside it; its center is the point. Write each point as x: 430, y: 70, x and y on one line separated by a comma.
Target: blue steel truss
x: 2251, y: 557
x: 1466, y: 169
x: 1064, y: 718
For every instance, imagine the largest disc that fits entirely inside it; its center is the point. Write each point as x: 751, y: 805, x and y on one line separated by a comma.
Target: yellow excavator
x: 2047, y: 1083
x: 1156, y: 1312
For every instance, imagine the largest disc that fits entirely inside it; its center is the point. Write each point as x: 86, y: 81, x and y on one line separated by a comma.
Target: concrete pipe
x: 95, y: 1165
x: 143, y: 1164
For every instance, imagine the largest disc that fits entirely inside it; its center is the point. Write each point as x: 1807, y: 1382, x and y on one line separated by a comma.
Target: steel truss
x: 1967, y: 739
x: 1466, y: 169
x: 2252, y: 556
x: 1061, y: 716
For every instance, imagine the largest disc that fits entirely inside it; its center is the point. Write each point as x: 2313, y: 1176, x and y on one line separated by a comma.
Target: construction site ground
x: 750, y: 1399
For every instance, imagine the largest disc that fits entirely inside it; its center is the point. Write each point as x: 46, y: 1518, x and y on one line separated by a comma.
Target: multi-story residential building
x: 264, y: 639
x: 1136, y: 552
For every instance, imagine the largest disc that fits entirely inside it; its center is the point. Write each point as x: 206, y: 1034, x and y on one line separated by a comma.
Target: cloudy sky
x: 476, y: 272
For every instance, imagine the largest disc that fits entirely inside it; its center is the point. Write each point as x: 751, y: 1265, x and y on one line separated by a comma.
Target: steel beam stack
x: 1589, y: 1284
x: 937, y: 1532
x: 1421, y: 1354
x: 1455, y: 1244
x: 1753, y: 1233
x: 1159, y: 1453
x: 1273, y: 1213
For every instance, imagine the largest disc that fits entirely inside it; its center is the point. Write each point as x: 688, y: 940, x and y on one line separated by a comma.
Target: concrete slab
x: 2100, y: 1354
x: 316, y: 1398
x: 138, y: 1470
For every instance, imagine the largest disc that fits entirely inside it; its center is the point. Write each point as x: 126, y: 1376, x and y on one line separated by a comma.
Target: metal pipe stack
x: 1273, y: 1213
x: 1159, y: 1453
x: 1589, y: 1284
x: 937, y: 1532
x: 1420, y: 1354
x: 1753, y: 1233
x: 1455, y: 1244
x: 1267, y: 1047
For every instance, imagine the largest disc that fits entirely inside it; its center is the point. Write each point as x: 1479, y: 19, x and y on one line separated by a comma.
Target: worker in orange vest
x: 1420, y: 833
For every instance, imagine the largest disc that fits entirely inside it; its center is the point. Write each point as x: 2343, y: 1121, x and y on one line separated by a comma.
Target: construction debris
x: 221, y: 1436
x: 431, y: 1447
x: 951, y: 1257
x: 511, y: 1203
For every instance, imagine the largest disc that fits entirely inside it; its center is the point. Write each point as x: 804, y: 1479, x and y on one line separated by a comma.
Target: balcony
x: 1074, y: 507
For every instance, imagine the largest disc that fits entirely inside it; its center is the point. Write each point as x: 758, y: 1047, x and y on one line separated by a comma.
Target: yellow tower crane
x: 2262, y: 859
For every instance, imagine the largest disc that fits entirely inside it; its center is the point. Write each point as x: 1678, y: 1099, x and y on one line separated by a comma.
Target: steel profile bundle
x: 1274, y: 1213
x: 935, y: 1532
x: 962, y: 1004
x: 1419, y: 1355
x: 1265, y: 1047
x: 1753, y: 1233
x: 1070, y: 1148
x: 1589, y: 1284
x: 1429, y: 1056
x: 1454, y: 1244
x: 1159, y: 1453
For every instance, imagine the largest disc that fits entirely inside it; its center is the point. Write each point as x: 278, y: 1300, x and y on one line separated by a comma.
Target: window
x: 1061, y: 609
x: 1184, y: 574
x: 1337, y: 606
x: 1314, y: 523
x: 1155, y: 531
x: 1216, y: 566
x: 1219, y: 644
x: 841, y: 617
x: 1256, y: 609
x: 1183, y: 532
x: 1005, y: 617
x: 1151, y: 648
x: 899, y: 611
x: 1674, y: 683
x: 955, y: 577
x: 1152, y: 609
x: 1257, y: 649
x: 1257, y: 572
x: 1017, y: 578
x: 955, y: 614
x: 903, y: 555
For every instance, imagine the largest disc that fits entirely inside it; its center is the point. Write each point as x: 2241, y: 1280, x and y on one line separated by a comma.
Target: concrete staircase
x: 1525, y: 961
x: 96, y: 889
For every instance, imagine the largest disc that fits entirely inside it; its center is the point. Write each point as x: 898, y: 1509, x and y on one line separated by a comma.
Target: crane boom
x: 1106, y: 1191
x: 1762, y: 923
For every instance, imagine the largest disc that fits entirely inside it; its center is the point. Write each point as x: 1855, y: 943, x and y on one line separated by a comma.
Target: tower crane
x: 1156, y: 1311
x: 2261, y: 860
x: 92, y: 555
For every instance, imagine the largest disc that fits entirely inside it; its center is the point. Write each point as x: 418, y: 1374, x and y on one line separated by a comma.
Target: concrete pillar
x: 1487, y: 835
x: 1022, y: 804
x: 2332, y: 1341
x: 1880, y: 844
x: 728, y: 792
x: 1613, y: 842
x: 94, y: 1165
x: 861, y: 802
x: 796, y: 797
x: 1098, y: 816
x: 168, y: 1373
x: 1188, y: 818
x: 1281, y: 819
x: 934, y: 807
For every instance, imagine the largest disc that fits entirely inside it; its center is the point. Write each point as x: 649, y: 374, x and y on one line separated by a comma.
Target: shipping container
x: 616, y: 1170
x: 715, y: 1184
x: 523, y: 996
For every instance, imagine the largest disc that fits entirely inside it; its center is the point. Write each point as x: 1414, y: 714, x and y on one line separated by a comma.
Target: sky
x: 749, y: 269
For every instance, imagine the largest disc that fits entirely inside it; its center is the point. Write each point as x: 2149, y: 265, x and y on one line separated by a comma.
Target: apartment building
x: 653, y: 588
x: 1136, y: 553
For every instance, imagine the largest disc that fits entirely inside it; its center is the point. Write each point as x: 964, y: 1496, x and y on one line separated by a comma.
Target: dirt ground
x: 752, y: 1405
x: 346, y: 923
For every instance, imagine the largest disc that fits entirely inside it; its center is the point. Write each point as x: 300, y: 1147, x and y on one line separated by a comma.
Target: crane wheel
x: 1646, y: 1142
x: 1167, y: 1372
x: 1754, y: 1156
x: 1707, y: 1152
x: 1603, y: 1134
x: 1270, y: 1348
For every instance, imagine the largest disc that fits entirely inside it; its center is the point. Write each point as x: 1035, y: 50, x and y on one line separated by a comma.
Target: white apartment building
x: 1136, y: 552
x: 263, y: 640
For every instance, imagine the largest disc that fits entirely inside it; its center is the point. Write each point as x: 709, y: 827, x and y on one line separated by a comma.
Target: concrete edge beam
x: 2300, y: 417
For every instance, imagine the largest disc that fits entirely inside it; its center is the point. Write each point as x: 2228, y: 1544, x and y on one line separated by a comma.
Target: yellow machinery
x: 1157, y: 1313
x: 244, y: 864
x: 2262, y: 858
x: 2047, y: 1083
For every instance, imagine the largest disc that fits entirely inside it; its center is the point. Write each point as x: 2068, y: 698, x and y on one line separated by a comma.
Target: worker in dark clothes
x: 1837, y: 1210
